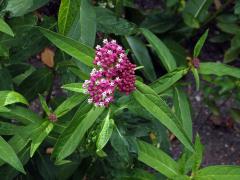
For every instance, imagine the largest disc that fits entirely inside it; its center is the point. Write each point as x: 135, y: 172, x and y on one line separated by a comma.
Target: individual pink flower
x: 113, y: 71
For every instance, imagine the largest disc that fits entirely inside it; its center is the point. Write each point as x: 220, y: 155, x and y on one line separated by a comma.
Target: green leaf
x: 198, y: 155
x: 75, y: 87
x: 21, y: 114
x: 157, y: 159
x: 11, y: 97
x: 21, y: 7
x: 4, y: 51
x: 159, y: 22
x: 37, y: 139
x: 233, y: 52
x: 66, y: 14
x: 219, y: 69
x: 169, y: 79
x: 105, y: 133
x: 7, y: 128
x: 84, y: 26
x: 38, y: 82
x: 44, y: 104
x: 237, y: 8
x: 161, y: 49
x: 196, y: 11
x: 219, y: 172
x: 230, y: 28
x: 107, y: 22
x: 196, y: 77
x: 142, y: 56
x: 178, y: 51
x: 182, y: 108
x: 69, y: 104
x: 73, y: 134
x: 5, y: 28
x: 5, y: 79
x: 8, y: 155
x: 200, y: 43
x: 146, y: 97
x: 75, y: 49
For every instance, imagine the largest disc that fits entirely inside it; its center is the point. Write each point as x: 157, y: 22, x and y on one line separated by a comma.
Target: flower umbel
x: 113, y: 71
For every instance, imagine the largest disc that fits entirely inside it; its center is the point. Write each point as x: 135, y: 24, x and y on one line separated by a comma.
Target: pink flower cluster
x: 113, y: 71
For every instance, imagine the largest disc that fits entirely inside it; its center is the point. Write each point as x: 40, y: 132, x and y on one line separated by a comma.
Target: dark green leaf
x: 142, y: 56
x: 157, y: 159
x: 182, y: 108
x: 37, y: 138
x: 169, y: 79
x: 21, y: 114
x: 7, y: 128
x: 21, y: 7
x: 196, y: 11
x: 219, y: 69
x: 107, y: 22
x: 75, y: 49
x: 219, y: 173
x: 85, y: 24
x: 44, y: 104
x: 66, y: 14
x: 38, y: 82
x: 162, y: 51
x: 5, y: 28
x: 73, y: 134
x: 159, y: 109
x: 8, y: 155
x: 200, y: 43
x: 198, y: 155
x: 69, y: 104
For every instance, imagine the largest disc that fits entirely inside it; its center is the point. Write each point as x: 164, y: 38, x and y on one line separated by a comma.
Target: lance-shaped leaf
x: 105, y: 133
x: 84, y: 25
x: 21, y: 114
x: 75, y: 49
x: 66, y: 14
x: 169, y: 79
x: 142, y: 56
x: 4, y: 27
x: 182, y: 108
x: 44, y: 104
x: 161, y: 49
x: 8, y: 155
x: 219, y: 172
x: 157, y: 159
x: 200, y: 43
x: 7, y: 128
x: 219, y: 69
x: 146, y: 97
x: 196, y: 77
x: 75, y: 87
x: 39, y: 136
x: 198, y: 155
x: 195, y: 12
x: 69, y: 104
x: 11, y: 97
x: 73, y: 134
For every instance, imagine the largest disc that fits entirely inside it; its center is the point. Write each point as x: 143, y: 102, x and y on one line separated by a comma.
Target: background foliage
x: 45, y: 45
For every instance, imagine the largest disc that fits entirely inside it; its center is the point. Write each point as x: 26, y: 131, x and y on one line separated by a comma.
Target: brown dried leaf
x: 47, y: 57
x: 49, y: 150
